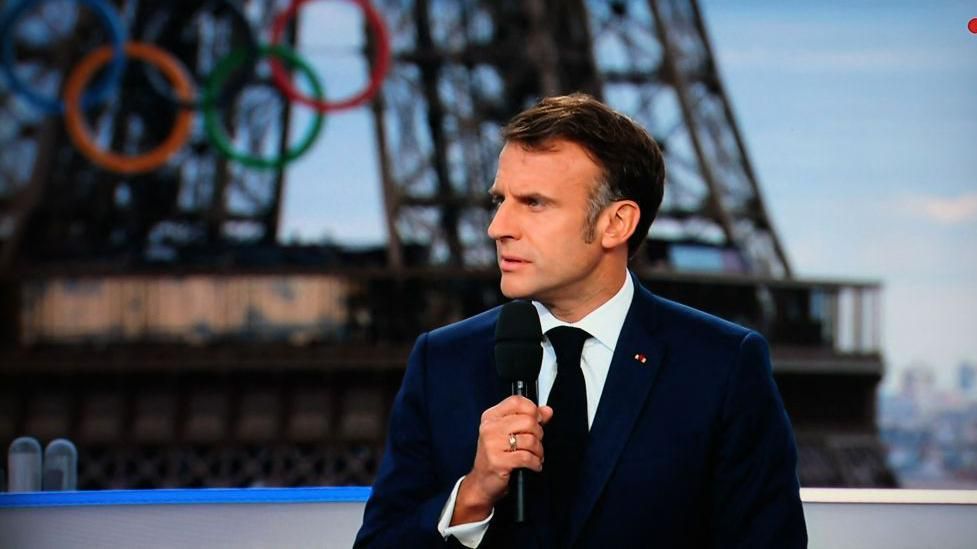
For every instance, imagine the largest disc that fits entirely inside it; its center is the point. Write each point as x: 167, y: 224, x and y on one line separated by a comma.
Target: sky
x: 860, y: 119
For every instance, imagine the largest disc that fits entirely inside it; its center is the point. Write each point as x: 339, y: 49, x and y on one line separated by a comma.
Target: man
x: 680, y: 437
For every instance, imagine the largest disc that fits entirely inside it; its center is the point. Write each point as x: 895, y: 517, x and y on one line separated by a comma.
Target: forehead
x: 556, y: 164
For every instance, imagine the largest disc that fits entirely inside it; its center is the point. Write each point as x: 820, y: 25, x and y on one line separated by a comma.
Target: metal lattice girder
x: 440, y: 146
x: 56, y: 205
x: 463, y: 68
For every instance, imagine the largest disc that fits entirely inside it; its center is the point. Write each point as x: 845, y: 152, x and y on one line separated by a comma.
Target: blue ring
x: 99, y: 91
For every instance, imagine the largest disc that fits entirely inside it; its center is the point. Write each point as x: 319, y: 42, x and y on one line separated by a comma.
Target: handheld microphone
x: 518, y: 354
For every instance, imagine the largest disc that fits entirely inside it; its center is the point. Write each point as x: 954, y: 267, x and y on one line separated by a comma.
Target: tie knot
x: 567, y: 343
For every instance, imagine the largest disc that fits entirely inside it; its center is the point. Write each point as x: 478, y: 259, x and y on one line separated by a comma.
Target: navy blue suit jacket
x: 691, y: 448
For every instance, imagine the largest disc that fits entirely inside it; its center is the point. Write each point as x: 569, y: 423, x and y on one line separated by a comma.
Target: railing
x: 306, y: 363
x: 369, y: 306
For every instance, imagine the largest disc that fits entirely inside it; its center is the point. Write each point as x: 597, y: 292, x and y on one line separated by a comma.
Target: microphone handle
x: 521, y: 388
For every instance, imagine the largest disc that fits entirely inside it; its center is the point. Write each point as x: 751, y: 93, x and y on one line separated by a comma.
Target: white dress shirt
x: 604, y: 325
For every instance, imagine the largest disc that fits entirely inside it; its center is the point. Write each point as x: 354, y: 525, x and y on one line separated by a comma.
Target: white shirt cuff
x: 469, y: 534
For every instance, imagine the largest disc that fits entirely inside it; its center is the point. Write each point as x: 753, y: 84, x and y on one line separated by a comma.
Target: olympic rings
x: 171, y: 25
x: 80, y: 133
x: 106, y: 16
x: 212, y: 123
x: 381, y: 60
x: 226, y: 79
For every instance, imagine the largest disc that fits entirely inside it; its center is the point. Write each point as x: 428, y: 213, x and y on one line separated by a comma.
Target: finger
x: 512, y: 405
x: 517, y: 404
x: 533, y: 446
x: 523, y: 459
x: 496, y: 430
x: 521, y: 424
x: 520, y: 459
x: 506, y: 442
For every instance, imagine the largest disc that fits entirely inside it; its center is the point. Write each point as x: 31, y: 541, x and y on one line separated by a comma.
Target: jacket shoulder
x: 672, y: 317
x: 480, y: 327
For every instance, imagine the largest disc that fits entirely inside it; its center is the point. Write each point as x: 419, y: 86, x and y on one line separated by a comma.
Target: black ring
x: 173, y: 20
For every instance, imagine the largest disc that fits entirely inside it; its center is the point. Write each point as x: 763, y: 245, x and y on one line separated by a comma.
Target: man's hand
x: 495, y: 459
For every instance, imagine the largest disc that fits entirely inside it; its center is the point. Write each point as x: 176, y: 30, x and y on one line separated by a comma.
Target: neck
x: 605, y: 287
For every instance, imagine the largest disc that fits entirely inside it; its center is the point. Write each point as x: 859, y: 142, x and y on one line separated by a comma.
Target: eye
x: 535, y: 202
x: 496, y: 201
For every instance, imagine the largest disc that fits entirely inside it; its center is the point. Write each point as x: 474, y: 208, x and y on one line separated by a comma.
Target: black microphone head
x: 518, y: 338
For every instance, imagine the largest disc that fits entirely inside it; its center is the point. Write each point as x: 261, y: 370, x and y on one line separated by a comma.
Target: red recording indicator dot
x: 972, y: 25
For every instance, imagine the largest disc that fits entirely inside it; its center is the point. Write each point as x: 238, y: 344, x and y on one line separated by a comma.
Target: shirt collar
x: 603, y: 323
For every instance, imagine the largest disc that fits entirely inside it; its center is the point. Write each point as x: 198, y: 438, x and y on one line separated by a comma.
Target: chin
x: 514, y: 290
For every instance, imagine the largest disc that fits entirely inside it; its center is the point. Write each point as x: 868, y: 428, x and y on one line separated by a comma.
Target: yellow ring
x: 81, y: 134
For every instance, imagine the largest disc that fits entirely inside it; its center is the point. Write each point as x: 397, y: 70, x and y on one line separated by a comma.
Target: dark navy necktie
x: 565, y: 436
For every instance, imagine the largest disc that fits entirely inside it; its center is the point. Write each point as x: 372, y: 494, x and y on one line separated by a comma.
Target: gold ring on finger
x: 512, y: 442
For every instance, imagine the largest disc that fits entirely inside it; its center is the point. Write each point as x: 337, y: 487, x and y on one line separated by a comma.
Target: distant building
x: 967, y: 379
x: 931, y: 434
x: 918, y: 381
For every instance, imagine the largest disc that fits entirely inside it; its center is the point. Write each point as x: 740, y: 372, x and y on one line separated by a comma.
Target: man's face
x: 540, y: 223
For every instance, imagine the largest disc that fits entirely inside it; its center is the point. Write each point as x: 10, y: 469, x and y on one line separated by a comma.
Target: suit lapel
x: 628, y: 384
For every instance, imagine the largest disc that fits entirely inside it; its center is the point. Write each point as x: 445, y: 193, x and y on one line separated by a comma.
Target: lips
x: 510, y: 262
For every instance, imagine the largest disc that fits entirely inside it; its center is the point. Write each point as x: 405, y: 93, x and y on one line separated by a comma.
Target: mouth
x: 509, y: 263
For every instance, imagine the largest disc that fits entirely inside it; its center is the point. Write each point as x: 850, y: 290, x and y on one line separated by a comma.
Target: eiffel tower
x: 289, y: 381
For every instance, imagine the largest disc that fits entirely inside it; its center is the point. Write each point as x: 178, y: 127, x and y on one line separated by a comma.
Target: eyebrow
x: 534, y: 196
x: 495, y: 194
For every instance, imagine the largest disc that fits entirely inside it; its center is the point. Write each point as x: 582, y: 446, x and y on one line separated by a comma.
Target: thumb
x: 545, y: 414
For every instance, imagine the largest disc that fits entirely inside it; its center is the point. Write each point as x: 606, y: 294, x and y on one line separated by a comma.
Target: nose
x: 501, y: 225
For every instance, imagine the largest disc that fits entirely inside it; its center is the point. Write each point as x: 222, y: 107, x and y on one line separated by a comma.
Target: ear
x: 621, y: 219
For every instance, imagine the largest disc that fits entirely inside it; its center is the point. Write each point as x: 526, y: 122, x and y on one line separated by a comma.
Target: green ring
x: 215, y: 130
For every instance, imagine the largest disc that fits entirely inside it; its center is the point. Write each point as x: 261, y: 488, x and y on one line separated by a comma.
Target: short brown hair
x: 632, y: 163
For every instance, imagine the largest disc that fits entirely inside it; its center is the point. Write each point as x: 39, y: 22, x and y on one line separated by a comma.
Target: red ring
x: 381, y: 60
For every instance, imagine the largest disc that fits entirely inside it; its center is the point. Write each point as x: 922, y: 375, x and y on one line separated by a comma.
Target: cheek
x: 568, y: 242
x: 555, y: 245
